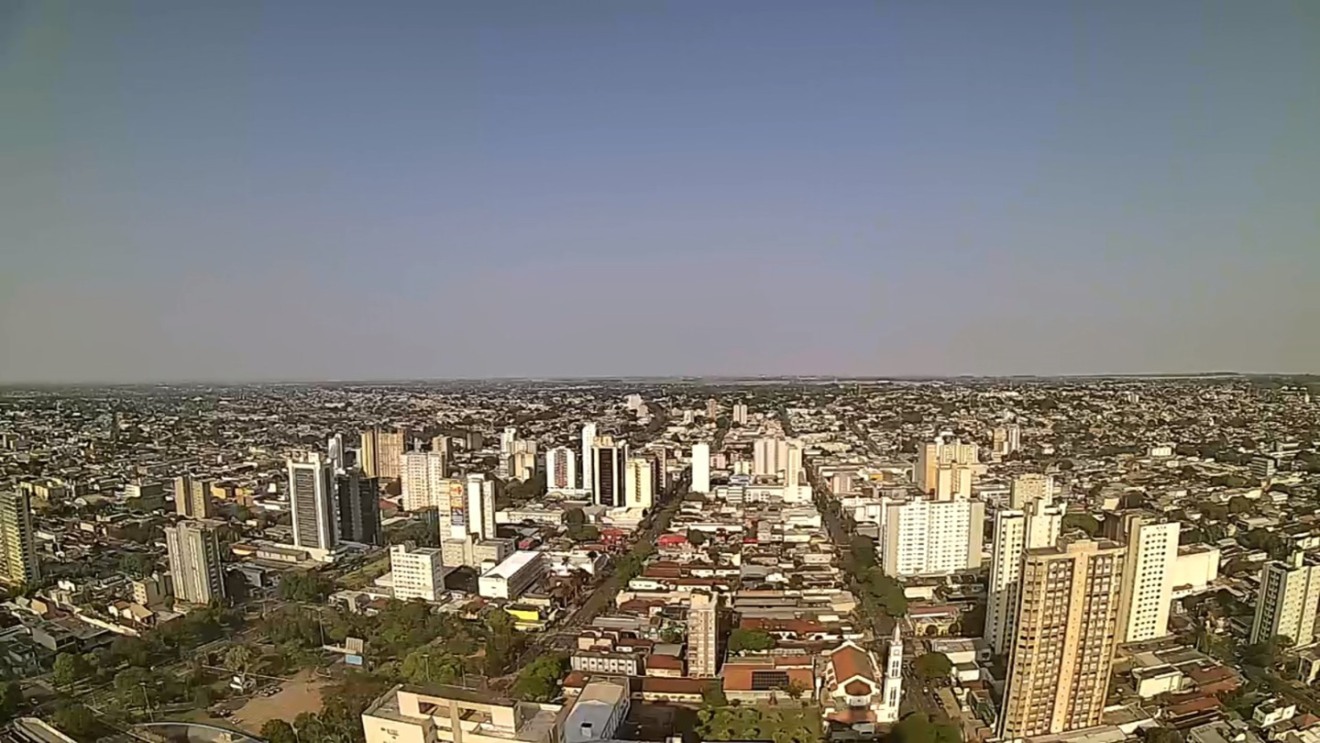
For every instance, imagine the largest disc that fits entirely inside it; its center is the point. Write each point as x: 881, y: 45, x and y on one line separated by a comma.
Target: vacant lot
x: 300, y: 694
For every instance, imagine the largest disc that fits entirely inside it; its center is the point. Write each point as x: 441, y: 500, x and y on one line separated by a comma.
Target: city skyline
x: 241, y: 192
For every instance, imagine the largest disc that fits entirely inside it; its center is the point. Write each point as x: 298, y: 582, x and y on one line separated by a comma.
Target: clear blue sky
x: 339, y: 190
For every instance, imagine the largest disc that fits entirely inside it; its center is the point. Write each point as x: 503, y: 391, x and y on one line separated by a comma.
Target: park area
x: 302, y: 693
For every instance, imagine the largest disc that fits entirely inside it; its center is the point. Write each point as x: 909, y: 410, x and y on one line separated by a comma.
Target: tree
x: 696, y: 537
x: 278, y: 731
x: 863, y: 551
x: 1239, y: 504
x: 932, y: 666
x: 750, y: 639
x: 239, y: 659
x: 305, y: 586
x: 137, y: 564
x: 575, y: 517
x: 1084, y: 521
x: 918, y: 728
x: 889, y: 593
x: 11, y: 698
x: 583, y: 533
x: 1163, y: 735
x: 713, y: 696
x: 539, y: 680
x: 77, y: 721
x: 69, y: 669
x: 428, y: 665
x: 796, y: 690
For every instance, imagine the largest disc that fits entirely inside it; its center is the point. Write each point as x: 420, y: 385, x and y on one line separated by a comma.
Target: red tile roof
x: 666, y: 662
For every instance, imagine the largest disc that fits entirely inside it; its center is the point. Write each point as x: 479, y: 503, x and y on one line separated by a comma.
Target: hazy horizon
x: 325, y: 191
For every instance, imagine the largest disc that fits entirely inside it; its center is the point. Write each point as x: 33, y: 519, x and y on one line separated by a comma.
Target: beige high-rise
x: 1063, y: 646
x: 381, y: 453
x: 1286, y: 602
x: 18, y: 546
x: 192, y: 498
x: 703, y: 634
x: 944, y: 450
x: 195, y: 567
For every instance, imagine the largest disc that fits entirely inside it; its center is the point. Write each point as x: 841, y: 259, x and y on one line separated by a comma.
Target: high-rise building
x: 560, y: 469
x: 1149, y: 572
x: 192, y: 498
x: 608, y: 470
x: 336, y: 452
x: 422, y: 477
x: 194, y: 553
x: 701, y: 468
x: 793, y: 465
x: 588, y: 456
x: 1033, y: 522
x: 946, y: 449
x: 712, y: 408
x: 381, y: 453
x: 769, y: 456
x: 311, y: 501
x: 739, y: 414
x: 1262, y: 467
x: 639, y: 490
x: 703, y: 634
x: 952, y: 482
x: 440, y: 445
x: 1286, y: 602
x: 924, y: 536
x: 418, y: 572
x: 1063, y: 646
x: 17, y: 540
x: 1005, y: 440
x: 358, y: 499
x: 479, y: 518
x: 661, y: 455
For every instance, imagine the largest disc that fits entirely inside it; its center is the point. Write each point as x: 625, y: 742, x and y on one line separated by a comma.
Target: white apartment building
x: 1036, y: 525
x: 423, y: 481
x: 311, y: 501
x: 931, y: 537
x: 418, y: 572
x: 769, y: 456
x: 1286, y: 604
x: 700, y: 468
x: 639, y: 489
x: 478, y: 515
x: 1149, y: 573
x: 588, y: 455
x: 560, y: 469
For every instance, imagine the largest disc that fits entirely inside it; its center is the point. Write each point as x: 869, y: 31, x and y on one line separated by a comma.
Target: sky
x: 347, y: 190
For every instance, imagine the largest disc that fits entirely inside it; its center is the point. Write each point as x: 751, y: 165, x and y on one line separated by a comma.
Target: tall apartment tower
x: 701, y: 468
x: 358, y: 501
x: 192, y: 498
x: 560, y: 469
x: 703, y: 634
x: 608, y: 471
x: 769, y: 456
x: 1033, y: 522
x: 312, y: 502
x: 946, y: 449
x: 194, y: 553
x: 661, y: 455
x: 1063, y: 646
x: 739, y: 414
x: 793, y: 465
x: 1148, y: 573
x: 924, y: 536
x: 639, y: 486
x: 480, y: 514
x: 381, y: 451
x: 588, y: 456
x: 17, y: 541
x: 1286, y: 603
x: 422, y: 477
x: 334, y: 447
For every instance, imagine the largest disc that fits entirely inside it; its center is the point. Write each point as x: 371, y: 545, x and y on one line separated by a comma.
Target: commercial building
x: 588, y: 456
x: 1033, y: 522
x: 453, y: 714
x: 639, y: 488
x: 701, y: 468
x: 423, y: 479
x: 703, y: 634
x: 311, y: 501
x: 195, y: 567
x: 1063, y: 645
x: 560, y: 469
x: 511, y: 578
x: 608, y: 471
x: 597, y: 712
x: 381, y: 451
x: 1286, y: 602
x: 358, y: 500
x: 192, y: 498
x: 931, y: 537
x: 18, y: 545
x: 946, y: 450
x: 477, y: 516
x: 418, y: 572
